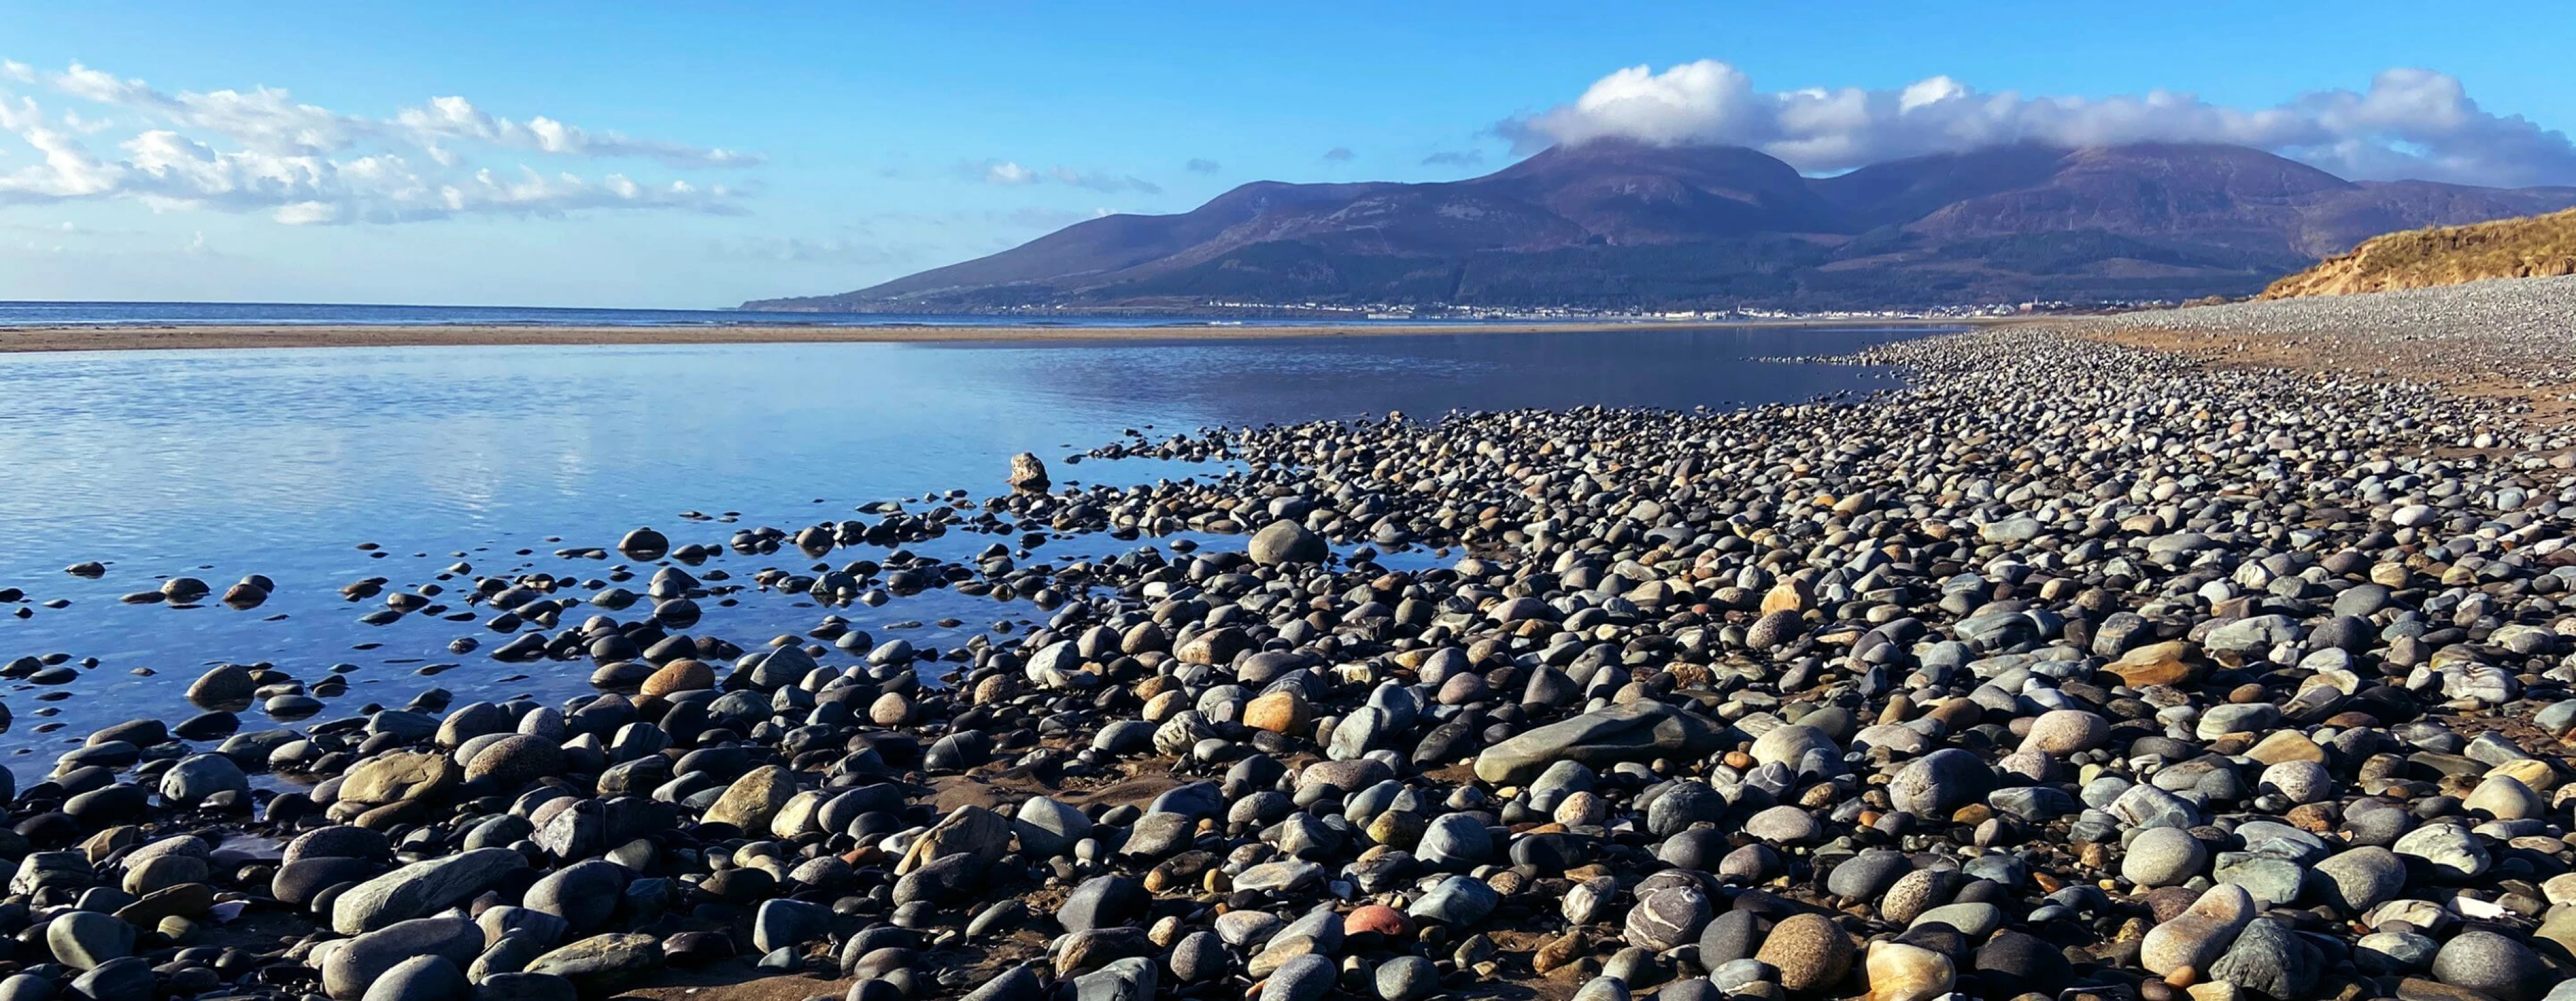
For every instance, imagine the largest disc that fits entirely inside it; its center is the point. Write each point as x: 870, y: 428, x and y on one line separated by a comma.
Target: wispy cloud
x: 1199, y: 165
x: 1011, y: 173
x: 455, y: 118
x: 1339, y: 154
x: 813, y: 250
x: 2412, y: 123
x: 1104, y: 182
x: 71, y: 240
x: 261, y: 150
x: 1000, y: 172
x: 1455, y: 158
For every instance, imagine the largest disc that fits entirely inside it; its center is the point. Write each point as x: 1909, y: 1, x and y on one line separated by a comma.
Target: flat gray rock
x: 421, y: 888
x: 1639, y: 731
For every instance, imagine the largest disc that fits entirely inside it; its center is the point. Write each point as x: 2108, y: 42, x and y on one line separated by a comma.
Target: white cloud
x: 74, y: 121
x: 265, y: 117
x: 2409, y: 123
x: 19, y: 114
x: 261, y: 150
x: 270, y: 118
x: 68, y: 171
x: 1006, y: 172
x: 172, y: 172
x: 307, y: 213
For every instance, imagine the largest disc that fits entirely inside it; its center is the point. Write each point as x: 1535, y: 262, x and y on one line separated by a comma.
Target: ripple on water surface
x: 218, y: 464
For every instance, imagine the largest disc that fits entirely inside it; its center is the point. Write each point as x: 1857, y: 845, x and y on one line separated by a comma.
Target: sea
x: 429, y: 467
x: 265, y: 314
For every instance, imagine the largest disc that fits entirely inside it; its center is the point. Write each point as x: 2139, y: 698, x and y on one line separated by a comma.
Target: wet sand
x: 153, y: 338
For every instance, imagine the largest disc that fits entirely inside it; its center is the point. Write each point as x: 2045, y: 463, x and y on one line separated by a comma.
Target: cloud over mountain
x: 261, y: 150
x: 2409, y: 123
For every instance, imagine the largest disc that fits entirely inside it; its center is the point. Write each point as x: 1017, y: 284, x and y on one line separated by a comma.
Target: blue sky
x: 790, y: 149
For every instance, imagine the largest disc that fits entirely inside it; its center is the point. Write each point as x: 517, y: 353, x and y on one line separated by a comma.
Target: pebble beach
x: 2090, y: 666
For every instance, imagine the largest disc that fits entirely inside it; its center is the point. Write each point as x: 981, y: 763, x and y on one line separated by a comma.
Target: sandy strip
x: 2503, y: 339
x: 150, y: 338
x: 2533, y: 402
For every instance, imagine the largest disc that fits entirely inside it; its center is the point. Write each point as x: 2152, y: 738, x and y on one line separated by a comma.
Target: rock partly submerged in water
x: 1028, y: 474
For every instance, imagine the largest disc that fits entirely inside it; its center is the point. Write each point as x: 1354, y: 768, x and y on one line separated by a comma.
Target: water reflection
x: 222, y: 463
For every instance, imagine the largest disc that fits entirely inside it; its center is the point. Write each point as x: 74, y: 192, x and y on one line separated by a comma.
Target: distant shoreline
x: 166, y: 337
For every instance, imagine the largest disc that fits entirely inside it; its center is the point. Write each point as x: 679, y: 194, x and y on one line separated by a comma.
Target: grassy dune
x: 2532, y: 247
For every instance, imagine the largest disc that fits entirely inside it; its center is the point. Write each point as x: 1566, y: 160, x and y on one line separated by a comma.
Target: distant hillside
x: 1613, y: 225
x: 2540, y: 246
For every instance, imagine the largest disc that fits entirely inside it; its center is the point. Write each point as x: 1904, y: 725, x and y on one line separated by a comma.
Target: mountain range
x: 1624, y: 225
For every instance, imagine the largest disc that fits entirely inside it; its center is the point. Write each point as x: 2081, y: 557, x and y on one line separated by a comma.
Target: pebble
x: 421, y: 888
x: 1406, y: 978
x: 1305, y: 978
x: 127, y: 979
x: 1939, y: 782
x: 2271, y: 961
x: 2163, y: 856
x: 2493, y: 965
x: 2358, y: 879
x: 1899, y: 972
x: 1810, y: 953
x: 420, y: 978
x: 2201, y: 934
x: 2450, y: 850
x: 1868, y: 875
x: 2014, y: 963
x: 1990, y: 673
x: 83, y: 940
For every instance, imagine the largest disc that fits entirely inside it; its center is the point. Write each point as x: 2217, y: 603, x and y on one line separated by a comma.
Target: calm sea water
x: 217, y: 464
x: 326, y: 314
